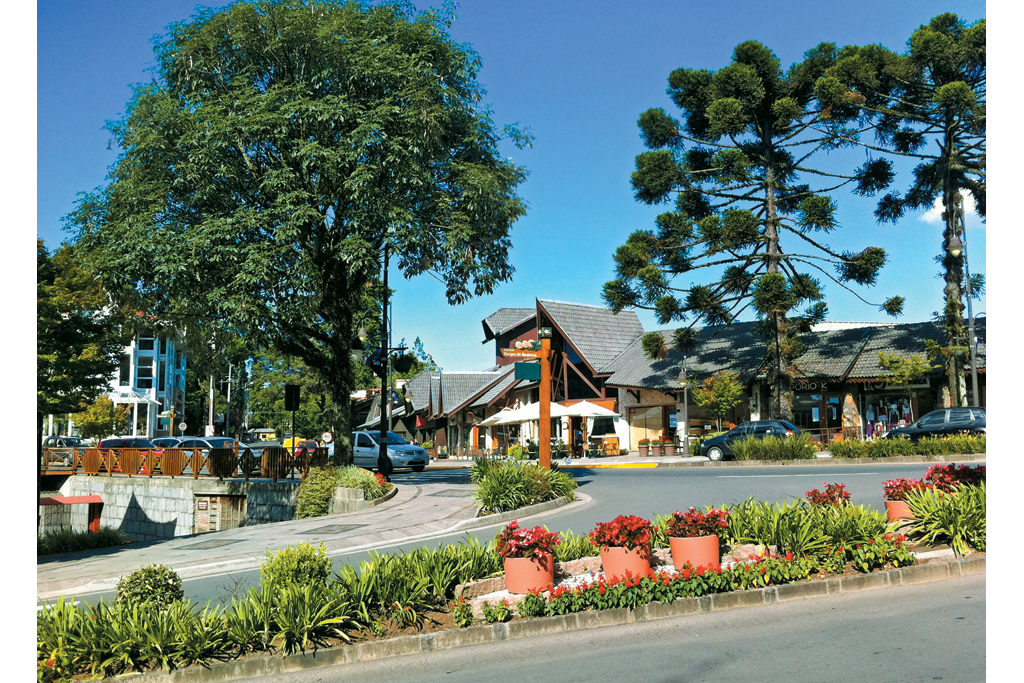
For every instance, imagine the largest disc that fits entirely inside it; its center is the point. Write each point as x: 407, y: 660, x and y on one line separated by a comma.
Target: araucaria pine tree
x: 934, y: 93
x: 739, y: 169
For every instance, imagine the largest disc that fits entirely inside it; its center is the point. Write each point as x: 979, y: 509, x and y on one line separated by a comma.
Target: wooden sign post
x: 544, y: 334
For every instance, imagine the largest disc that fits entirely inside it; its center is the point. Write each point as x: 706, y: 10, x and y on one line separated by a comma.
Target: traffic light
x: 374, y: 361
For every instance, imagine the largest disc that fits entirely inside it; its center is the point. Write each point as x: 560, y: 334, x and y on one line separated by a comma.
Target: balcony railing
x: 272, y: 462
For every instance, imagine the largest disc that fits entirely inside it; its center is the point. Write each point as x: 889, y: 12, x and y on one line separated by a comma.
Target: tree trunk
x: 953, y: 275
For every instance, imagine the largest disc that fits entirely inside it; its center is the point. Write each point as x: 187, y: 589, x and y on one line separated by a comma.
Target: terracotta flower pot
x: 897, y: 509
x: 524, y: 574
x: 643, y: 450
x: 670, y: 450
x: 699, y: 551
x: 656, y: 451
x: 616, y: 561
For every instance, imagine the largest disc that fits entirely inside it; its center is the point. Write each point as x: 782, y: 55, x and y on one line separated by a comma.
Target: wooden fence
x: 273, y: 462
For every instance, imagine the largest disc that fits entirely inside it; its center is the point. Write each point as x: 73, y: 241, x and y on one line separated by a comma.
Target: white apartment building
x: 151, y: 381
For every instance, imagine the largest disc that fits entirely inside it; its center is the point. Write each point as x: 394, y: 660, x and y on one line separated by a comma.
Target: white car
x: 366, y: 450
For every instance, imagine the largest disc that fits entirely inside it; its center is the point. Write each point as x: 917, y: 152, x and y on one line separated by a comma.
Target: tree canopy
x: 79, y: 337
x: 739, y: 166
x: 933, y: 93
x: 279, y: 147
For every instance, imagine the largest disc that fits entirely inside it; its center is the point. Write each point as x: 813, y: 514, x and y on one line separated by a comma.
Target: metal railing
x: 272, y: 462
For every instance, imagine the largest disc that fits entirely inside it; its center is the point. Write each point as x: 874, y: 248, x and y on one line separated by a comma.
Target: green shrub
x: 849, y: 448
x: 353, y: 477
x: 505, y: 485
x: 573, y: 547
x: 695, y: 444
x: 796, y: 447
x: 156, y: 586
x: 462, y: 613
x: 67, y: 541
x: 957, y: 519
x: 498, y: 613
x: 789, y: 525
x: 531, y: 605
x: 517, y: 452
x: 301, y: 564
x: 315, y: 492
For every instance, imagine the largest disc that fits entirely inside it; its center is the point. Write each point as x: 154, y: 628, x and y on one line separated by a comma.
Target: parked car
x: 294, y: 444
x: 167, y: 441
x: 720, y: 447
x: 942, y: 422
x: 65, y: 442
x: 366, y: 449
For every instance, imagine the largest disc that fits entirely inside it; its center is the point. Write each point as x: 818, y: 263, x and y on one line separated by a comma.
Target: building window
x: 162, y: 376
x: 144, y: 383
x: 163, y: 346
x: 145, y: 366
x: 145, y: 343
x: 177, y: 360
x: 126, y: 370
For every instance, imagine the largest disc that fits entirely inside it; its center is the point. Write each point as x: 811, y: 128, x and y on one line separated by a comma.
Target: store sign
x: 520, y: 353
x: 813, y: 385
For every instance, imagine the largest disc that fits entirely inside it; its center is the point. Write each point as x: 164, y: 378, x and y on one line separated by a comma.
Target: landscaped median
x: 301, y: 615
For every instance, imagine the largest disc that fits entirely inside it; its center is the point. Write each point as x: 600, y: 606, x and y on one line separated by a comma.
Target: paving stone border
x: 489, y: 633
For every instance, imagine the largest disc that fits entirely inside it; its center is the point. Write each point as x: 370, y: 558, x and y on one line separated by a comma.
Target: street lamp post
x: 686, y: 408
x: 956, y: 248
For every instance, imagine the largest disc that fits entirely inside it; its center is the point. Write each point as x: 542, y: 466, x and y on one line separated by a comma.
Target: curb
x: 896, y: 459
x: 577, y: 621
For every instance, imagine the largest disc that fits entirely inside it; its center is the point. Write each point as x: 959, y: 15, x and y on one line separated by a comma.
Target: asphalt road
x: 633, y: 491
x: 922, y: 633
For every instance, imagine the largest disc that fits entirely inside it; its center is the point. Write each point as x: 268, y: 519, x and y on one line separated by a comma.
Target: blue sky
x: 578, y: 74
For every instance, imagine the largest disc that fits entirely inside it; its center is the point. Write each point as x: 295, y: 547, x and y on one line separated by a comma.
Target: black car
x: 942, y: 422
x: 718, y: 447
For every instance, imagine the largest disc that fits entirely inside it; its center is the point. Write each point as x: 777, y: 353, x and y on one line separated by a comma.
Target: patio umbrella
x: 495, y: 419
x: 531, y: 413
x: 588, y: 409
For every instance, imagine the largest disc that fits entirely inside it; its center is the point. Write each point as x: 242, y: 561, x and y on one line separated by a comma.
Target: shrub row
x: 957, y: 444
x: 796, y: 447
x: 505, y: 485
x: 67, y: 541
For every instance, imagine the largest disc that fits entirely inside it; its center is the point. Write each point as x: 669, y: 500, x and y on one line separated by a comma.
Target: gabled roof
x: 417, y: 390
x: 597, y: 334
x: 505, y: 319
x: 909, y: 340
x: 506, y: 382
x: 733, y: 347
x: 458, y: 388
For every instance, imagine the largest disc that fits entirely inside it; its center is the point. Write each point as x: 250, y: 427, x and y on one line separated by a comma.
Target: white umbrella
x: 494, y: 419
x: 588, y: 409
x: 531, y: 413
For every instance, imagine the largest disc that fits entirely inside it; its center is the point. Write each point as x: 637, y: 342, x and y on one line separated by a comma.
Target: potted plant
x: 625, y: 544
x: 429, y: 447
x: 693, y: 537
x: 528, y: 556
x: 656, y: 448
x: 670, y: 448
x: 895, y: 493
x: 642, y: 446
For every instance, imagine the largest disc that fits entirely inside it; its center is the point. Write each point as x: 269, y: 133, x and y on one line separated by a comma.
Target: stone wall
x: 159, y: 508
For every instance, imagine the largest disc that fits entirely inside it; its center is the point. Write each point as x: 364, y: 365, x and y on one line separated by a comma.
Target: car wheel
x: 419, y: 468
x: 715, y: 454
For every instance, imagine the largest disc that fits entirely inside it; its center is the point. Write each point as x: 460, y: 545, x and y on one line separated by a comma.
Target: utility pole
x: 227, y: 415
x: 209, y: 427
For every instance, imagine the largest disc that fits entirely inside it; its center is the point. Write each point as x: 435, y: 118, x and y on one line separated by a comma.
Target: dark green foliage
x: 741, y: 166
x: 796, y: 447
x: 313, y: 499
x: 155, y: 585
x: 67, y: 541
x: 278, y: 148
x: 957, y: 519
x: 962, y: 444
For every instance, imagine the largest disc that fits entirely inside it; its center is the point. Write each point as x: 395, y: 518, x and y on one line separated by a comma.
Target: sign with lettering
x: 520, y: 353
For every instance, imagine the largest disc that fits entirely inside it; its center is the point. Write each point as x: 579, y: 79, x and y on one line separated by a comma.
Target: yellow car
x: 294, y: 444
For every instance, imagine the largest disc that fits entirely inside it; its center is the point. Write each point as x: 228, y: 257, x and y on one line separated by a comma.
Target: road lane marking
x: 766, y: 476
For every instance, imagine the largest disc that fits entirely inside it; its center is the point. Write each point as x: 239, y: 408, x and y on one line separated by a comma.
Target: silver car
x: 366, y: 449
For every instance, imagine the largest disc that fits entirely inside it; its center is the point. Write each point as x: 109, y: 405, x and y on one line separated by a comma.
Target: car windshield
x: 395, y: 439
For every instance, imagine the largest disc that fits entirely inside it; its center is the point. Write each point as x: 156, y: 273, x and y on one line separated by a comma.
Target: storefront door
x: 832, y: 412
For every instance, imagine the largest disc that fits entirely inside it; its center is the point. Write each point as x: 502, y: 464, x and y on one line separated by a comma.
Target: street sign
x: 326, y: 437
x: 182, y: 426
x: 520, y: 353
x: 528, y: 371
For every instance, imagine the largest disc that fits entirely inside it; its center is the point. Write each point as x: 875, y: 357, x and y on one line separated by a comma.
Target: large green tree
x: 740, y: 169
x: 279, y: 148
x: 927, y: 105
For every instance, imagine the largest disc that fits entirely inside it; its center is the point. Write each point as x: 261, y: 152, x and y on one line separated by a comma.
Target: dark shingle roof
x: 417, y: 390
x: 596, y: 332
x: 733, y: 347
x: 459, y: 387
x: 505, y: 319
x: 507, y: 381
x: 850, y: 354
